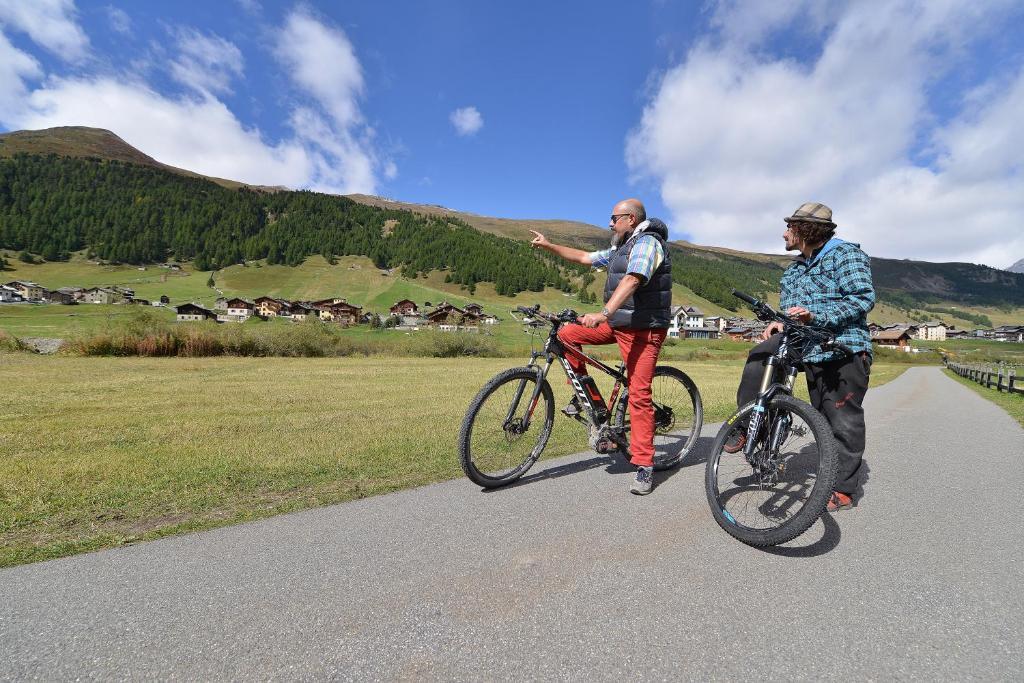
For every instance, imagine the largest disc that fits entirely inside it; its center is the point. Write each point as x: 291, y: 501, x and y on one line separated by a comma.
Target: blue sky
x: 721, y: 116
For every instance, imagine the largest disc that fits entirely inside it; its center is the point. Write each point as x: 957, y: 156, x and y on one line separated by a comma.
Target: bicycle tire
x: 491, y: 452
x: 781, y: 498
x: 675, y: 433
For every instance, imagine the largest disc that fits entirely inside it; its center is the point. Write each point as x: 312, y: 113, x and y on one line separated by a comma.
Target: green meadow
x: 100, y: 452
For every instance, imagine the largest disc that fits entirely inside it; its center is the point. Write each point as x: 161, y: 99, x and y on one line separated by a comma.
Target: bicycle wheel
x: 786, y: 490
x: 496, y: 444
x: 678, y: 416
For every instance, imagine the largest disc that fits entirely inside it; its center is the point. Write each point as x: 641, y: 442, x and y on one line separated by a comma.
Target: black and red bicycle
x: 508, y: 423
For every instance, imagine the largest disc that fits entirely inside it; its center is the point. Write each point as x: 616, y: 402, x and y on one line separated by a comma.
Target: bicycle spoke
x: 500, y: 443
x: 769, y: 496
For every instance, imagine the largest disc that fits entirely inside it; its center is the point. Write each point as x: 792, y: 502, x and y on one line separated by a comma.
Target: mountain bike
x: 509, y: 421
x: 777, y: 485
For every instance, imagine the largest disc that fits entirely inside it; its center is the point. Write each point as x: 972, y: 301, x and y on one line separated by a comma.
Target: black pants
x: 837, y: 390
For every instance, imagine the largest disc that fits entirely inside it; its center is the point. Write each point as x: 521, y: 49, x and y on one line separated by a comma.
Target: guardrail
x: 1001, y: 378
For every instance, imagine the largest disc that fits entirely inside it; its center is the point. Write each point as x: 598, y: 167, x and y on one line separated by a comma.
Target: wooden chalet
x: 339, y: 311
x: 898, y: 338
x: 405, y: 307
x: 58, y: 297
x: 446, y: 314
x: 269, y: 307
x: 193, y: 312
x: 303, y: 311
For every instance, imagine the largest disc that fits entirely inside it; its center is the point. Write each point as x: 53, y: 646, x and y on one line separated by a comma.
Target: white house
x: 933, y: 331
x: 685, y: 317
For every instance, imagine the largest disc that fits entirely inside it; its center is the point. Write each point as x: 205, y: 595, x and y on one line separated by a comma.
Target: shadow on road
x: 613, y: 464
x: 828, y: 541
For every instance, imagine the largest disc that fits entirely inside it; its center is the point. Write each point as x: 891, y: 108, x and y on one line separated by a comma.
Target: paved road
x: 567, y: 576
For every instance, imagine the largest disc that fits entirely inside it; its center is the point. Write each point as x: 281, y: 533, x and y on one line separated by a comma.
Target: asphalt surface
x: 568, y: 576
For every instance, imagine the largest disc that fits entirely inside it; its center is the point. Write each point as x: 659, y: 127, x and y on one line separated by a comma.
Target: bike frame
x: 554, y: 348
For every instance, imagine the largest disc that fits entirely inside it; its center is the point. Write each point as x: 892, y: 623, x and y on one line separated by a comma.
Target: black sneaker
x: 573, y: 409
x: 643, y: 481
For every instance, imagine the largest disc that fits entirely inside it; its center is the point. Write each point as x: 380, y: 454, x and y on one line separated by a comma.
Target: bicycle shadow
x: 617, y: 464
x: 827, y: 543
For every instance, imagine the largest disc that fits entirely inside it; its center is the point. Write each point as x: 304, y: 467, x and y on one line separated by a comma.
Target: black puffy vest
x: 650, y: 306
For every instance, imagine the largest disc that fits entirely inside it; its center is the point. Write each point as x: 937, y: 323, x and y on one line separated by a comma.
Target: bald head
x: 634, y: 207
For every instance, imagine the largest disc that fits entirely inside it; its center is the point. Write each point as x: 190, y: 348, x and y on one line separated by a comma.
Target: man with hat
x: 828, y: 285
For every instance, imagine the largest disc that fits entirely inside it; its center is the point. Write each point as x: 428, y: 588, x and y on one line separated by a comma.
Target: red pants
x: 639, y: 349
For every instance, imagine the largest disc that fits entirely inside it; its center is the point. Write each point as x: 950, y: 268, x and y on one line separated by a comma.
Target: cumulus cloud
x: 196, y: 133
x: 331, y: 149
x: 15, y: 67
x: 737, y: 139
x: 49, y: 23
x: 207, y: 63
x: 323, y: 62
x: 467, y: 121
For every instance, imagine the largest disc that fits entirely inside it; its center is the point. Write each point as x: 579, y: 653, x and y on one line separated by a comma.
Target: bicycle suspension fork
x: 542, y: 374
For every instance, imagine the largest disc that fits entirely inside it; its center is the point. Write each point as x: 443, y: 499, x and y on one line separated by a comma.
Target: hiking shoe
x: 839, y: 501
x: 573, y: 409
x: 735, y: 443
x: 642, y: 482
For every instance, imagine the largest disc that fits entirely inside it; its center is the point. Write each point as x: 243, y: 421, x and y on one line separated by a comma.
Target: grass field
x: 99, y: 452
x: 1011, y: 403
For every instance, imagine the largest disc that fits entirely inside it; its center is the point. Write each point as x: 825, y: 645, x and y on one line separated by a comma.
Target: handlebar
x: 566, y: 316
x: 765, y: 312
x: 745, y: 297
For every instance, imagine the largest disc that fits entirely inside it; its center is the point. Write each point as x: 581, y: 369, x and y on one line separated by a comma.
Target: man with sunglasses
x: 636, y: 316
x: 828, y: 285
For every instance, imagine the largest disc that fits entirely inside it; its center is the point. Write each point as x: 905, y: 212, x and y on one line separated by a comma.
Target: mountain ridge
x: 909, y: 283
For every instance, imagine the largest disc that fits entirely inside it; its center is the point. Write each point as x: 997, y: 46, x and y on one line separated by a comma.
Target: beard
x: 618, y: 239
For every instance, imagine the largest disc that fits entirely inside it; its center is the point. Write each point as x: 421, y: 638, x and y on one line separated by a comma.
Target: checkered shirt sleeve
x: 644, y: 258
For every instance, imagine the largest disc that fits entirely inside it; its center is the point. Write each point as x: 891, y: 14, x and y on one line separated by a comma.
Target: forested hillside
x: 124, y: 210
x: 129, y: 213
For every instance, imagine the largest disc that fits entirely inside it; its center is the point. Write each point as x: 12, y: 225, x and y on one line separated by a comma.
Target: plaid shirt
x: 645, y: 256
x: 836, y: 288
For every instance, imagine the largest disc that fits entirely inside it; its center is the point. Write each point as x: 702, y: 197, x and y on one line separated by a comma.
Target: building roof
x: 890, y: 335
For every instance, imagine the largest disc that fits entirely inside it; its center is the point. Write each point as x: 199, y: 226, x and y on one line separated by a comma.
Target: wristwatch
x: 605, y: 312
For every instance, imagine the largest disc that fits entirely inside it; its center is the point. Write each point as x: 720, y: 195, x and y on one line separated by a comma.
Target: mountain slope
x: 1017, y: 267
x: 92, y: 143
x: 93, y: 194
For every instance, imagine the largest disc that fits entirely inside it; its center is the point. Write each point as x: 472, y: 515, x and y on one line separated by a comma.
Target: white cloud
x: 119, y: 20
x: 207, y: 63
x: 737, y: 140
x: 467, y: 121
x: 331, y: 153
x: 323, y: 62
x: 15, y: 66
x: 196, y: 133
x: 50, y: 23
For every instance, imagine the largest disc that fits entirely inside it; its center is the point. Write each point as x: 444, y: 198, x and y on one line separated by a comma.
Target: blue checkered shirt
x: 836, y: 288
x: 645, y: 256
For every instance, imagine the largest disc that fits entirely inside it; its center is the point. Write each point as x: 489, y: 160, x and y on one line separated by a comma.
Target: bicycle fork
x: 511, y: 421
x: 780, y: 428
